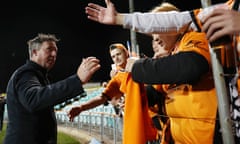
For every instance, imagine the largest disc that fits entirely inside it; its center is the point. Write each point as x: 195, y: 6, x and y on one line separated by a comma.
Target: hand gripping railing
x: 222, y: 80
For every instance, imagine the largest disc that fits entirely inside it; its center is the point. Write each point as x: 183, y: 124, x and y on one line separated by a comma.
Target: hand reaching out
x: 87, y: 68
x: 130, y: 62
x: 74, y: 112
x: 101, y: 14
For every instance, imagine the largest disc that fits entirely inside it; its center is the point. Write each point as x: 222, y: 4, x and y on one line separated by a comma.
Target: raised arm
x: 163, y: 22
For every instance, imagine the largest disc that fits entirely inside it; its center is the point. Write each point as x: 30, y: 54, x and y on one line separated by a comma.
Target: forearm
x: 186, y: 67
x: 35, y: 96
x: 96, y: 101
x: 170, y: 22
x: 162, y: 22
x: 120, y: 18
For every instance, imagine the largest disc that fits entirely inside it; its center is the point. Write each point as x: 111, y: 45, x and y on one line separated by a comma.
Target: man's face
x: 119, y: 57
x: 46, y: 55
x: 162, y: 44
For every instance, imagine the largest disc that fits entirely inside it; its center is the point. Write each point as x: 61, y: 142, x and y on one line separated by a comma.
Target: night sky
x: 79, y: 37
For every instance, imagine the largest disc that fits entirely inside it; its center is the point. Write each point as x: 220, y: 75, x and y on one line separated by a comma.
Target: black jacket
x: 30, y: 104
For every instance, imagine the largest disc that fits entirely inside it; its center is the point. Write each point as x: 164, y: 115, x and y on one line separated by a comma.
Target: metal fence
x: 106, y: 126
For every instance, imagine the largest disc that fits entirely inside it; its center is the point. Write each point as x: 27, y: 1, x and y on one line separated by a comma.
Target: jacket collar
x: 37, y: 66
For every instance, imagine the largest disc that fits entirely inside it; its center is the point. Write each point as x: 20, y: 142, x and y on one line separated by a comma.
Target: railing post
x: 115, y: 126
x: 221, y: 89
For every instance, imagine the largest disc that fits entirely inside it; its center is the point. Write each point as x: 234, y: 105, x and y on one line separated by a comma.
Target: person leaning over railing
x: 185, y: 75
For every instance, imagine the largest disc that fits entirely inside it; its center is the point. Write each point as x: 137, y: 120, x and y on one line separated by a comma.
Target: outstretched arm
x: 164, y: 22
x: 94, y: 102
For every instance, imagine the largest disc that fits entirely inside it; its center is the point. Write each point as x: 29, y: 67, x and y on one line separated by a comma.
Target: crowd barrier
x: 105, y: 125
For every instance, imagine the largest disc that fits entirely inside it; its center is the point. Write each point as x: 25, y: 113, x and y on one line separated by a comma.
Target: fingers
x: 218, y: 34
x: 210, y: 19
x: 93, y: 11
x: 90, y: 59
x: 211, y: 26
x: 215, y: 25
x: 87, y: 68
x: 94, y: 6
x: 93, y: 18
x: 70, y: 116
x: 130, y: 63
x: 108, y: 2
x: 73, y: 113
x: 92, y: 64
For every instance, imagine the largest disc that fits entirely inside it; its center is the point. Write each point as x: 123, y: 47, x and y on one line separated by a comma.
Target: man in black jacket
x: 31, y: 97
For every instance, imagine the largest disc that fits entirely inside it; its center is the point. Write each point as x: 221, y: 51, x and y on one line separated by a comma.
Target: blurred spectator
x: 2, y: 108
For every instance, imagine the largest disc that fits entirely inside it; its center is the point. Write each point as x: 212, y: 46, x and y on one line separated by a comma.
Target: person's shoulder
x: 25, y: 68
x: 22, y: 68
x: 193, y: 35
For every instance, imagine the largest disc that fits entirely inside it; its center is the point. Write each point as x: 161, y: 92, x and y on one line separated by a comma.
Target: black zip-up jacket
x: 30, y: 104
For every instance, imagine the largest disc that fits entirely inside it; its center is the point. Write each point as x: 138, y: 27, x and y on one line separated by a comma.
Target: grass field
x: 62, y: 138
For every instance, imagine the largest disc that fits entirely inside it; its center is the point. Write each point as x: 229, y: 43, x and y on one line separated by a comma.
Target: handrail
x: 222, y: 90
x: 114, y: 135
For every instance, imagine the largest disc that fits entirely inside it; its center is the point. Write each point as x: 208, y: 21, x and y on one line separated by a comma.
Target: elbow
x: 31, y: 108
x: 197, y: 74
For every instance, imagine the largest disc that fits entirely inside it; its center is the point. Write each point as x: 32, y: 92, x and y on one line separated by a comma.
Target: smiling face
x: 46, y: 55
x: 163, y: 44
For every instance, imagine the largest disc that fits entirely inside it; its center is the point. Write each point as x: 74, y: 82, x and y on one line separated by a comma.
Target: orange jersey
x: 138, y: 127
x: 192, y: 108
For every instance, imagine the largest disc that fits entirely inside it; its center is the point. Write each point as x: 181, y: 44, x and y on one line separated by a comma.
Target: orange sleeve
x: 138, y: 126
x: 113, y: 87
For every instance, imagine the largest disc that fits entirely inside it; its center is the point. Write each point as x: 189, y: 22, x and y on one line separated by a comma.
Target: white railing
x: 105, y: 125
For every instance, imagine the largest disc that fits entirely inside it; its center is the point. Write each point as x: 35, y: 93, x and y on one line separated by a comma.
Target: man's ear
x: 34, y: 52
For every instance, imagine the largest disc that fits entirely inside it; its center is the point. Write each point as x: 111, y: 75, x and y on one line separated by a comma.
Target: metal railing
x: 106, y: 126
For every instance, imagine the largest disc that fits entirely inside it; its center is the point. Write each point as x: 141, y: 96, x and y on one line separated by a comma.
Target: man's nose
x: 54, y: 53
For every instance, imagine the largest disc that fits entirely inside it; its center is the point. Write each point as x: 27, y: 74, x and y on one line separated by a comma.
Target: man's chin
x: 50, y: 66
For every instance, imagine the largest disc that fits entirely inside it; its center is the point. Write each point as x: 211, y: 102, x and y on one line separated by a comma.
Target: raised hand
x: 87, y: 68
x: 101, y: 14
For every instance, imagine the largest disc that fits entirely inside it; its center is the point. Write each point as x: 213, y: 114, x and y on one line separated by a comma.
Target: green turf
x: 62, y: 138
